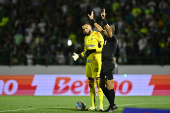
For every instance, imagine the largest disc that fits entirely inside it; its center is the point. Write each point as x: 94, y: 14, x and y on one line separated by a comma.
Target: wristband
x: 88, y: 52
x: 93, y: 21
x: 104, y: 22
x: 80, y: 55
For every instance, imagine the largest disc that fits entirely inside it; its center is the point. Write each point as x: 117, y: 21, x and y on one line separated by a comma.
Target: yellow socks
x: 100, y: 93
x: 92, y: 93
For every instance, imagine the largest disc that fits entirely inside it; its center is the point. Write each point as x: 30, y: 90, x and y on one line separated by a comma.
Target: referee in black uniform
x: 108, y: 65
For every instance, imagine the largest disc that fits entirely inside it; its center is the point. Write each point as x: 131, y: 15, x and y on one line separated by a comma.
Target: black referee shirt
x: 109, y: 48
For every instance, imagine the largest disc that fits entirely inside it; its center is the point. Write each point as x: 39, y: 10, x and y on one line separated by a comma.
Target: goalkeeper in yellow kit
x: 93, y: 44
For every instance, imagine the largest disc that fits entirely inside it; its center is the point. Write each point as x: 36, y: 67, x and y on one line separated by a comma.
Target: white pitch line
x: 18, y: 110
x: 74, y: 107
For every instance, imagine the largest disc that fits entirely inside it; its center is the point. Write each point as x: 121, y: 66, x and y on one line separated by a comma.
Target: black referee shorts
x: 107, y: 75
x: 107, y: 70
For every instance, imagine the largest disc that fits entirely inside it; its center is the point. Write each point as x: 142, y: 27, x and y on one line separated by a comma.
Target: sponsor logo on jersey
x: 90, y: 46
x: 89, y: 61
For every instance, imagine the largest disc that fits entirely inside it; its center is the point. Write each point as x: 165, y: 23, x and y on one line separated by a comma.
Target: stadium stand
x: 35, y: 32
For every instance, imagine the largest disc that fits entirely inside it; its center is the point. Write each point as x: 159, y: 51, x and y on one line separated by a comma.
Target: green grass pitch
x: 66, y: 104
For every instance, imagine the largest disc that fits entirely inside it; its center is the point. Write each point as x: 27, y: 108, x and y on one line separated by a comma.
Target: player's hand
x: 103, y: 14
x: 91, y: 16
x: 75, y: 56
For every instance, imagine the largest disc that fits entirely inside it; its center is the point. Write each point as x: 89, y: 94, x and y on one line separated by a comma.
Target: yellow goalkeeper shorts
x: 92, y: 65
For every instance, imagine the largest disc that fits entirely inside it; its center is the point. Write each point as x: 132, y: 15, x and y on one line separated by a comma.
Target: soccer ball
x: 80, y: 106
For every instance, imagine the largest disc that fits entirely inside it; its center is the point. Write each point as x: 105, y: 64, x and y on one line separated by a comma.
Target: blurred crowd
x: 37, y: 32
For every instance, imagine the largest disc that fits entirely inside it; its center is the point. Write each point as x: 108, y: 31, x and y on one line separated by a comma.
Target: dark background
x: 35, y: 32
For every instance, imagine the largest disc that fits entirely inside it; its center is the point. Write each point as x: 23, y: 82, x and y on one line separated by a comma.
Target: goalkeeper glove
x: 75, y: 56
x: 88, y: 52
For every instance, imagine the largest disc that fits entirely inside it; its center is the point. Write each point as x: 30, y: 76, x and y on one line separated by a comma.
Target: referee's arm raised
x: 107, y: 27
x: 99, y: 28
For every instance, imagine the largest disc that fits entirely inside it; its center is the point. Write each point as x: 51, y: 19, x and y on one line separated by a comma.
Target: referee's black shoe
x: 111, y: 109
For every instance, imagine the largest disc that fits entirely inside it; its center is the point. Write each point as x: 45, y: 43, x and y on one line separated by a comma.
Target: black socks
x: 111, y: 97
x: 106, y: 93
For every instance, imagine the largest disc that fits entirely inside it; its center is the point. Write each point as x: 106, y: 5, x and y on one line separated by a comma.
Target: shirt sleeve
x: 100, y: 39
x: 85, y: 49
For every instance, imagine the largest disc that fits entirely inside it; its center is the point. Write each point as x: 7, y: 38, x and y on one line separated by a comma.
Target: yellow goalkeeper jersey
x: 93, y: 41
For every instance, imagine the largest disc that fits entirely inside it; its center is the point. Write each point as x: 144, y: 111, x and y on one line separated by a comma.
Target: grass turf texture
x: 66, y: 104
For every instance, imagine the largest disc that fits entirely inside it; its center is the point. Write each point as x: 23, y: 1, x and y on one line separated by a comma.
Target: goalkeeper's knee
x: 91, y: 82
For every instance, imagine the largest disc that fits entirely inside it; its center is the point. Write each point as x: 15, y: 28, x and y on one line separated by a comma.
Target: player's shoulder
x: 114, y: 38
x: 98, y: 34
x: 86, y: 37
